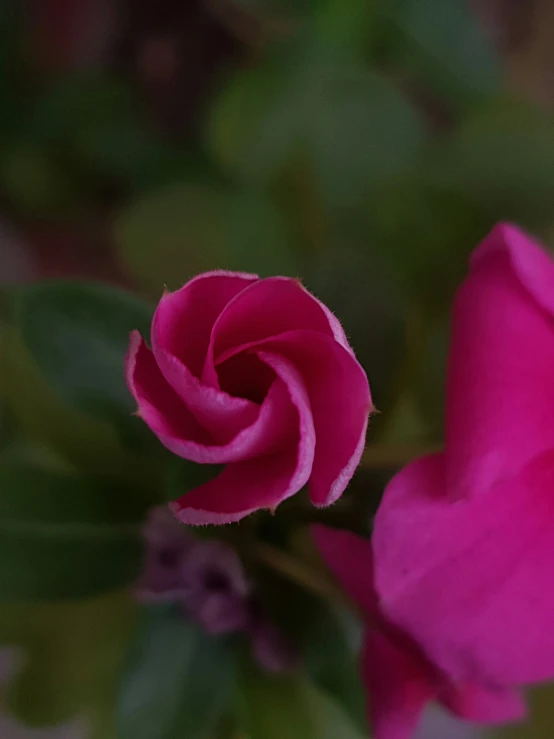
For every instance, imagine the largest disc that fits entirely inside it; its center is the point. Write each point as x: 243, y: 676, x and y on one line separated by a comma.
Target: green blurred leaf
x: 430, y: 377
x: 424, y: 233
x: 349, y: 124
x: 289, y: 707
x: 502, y: 159
x: 166, y: 238
x: 255, y: 119
x: 364, y: 131
x: 370, y: 307
x: 77, y: 101
x: 93, y: 120
x: 341, y: 26
x: 78, y: 334
x: 65, y: 536
x: 328, y: 640
x: 72, y: 654
x: 89, y: 444
x: 35, y: 183
x: 178, y: 681
x: 445, y: 46
x: 183, y: 475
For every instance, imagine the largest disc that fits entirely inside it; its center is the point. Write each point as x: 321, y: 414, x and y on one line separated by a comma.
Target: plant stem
x: 299, y: 572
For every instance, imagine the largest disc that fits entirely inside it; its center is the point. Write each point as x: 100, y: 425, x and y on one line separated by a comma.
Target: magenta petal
x: 471, y: 580
x: 244, y: 487
x: 398, y: 687
x: 184, y: 319
x: 266, y: 308
x: 220, y: 413
x: 284, y: 414
x: 485, y: 705
x: 340, y: 401
x: 158, y: 405
x: 530, y: 262
x: 350, y: 559
x: 277, y: 423
x: 266, y: 481
x: 500, y: 390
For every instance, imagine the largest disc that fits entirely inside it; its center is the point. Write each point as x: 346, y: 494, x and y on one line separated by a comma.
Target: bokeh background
x: 365, y: 146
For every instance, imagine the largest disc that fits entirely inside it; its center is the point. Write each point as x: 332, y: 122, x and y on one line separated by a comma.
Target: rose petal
x: 471, y: 580
x: 398, y: 687
x: 266, y: 481
x: 184, y: 319
x: 277, y: 421
x: 266, y: 308
x: 500, y: 380
x: 242, y: 488
x: 485, y: 705
x: 350, y: 559
x: 223, y: 415
x: 532, y: 265
x: 339, y: 399
x: 158, y: 405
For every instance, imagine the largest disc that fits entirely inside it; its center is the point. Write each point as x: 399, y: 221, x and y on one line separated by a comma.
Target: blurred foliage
x: 364, y: 146
x: 178, y: 681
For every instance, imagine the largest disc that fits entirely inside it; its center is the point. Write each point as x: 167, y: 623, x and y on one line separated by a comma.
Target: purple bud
x: 168, y: 542
x: 215, y: 591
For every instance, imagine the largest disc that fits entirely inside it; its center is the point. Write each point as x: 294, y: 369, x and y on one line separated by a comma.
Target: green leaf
x: 350, y: 126
x: 444, y: 45
x: 328, y: 640
x: 341, y: 27
x: 364, y: 131
x: 255, y: 119
x: 78, y: 335
x: 64, y: 536
x: 166, y: 238
x: 72, y: 654
x: 289, y: 707
x: 424, y: 233
x: 178, y: 681
x: 370, y: 306
x: 183, y: 475
x: 430, y: 376
x: 502, y: 159
x: 36, y: 183
x: 89, y: 444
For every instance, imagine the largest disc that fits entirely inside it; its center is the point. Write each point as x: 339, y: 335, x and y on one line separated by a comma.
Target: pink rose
x: 257, y: 375
x: 464, y: 540
x: 399, y: 678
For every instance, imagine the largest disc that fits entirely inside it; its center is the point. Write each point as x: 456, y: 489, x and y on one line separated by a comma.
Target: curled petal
x: 267, y: 308
x: 242, y: 488
x: 178, y: 430
x: 184, y: 319
x: 530, y: 262
x: 266, y: 481
x: 158, y: 404
x: 218, y: 412
x: 500, y: 382
x: 470, y: 580
x: 340, y: 402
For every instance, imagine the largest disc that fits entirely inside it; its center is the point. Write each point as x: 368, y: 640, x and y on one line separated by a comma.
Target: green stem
x: 298, y: 572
